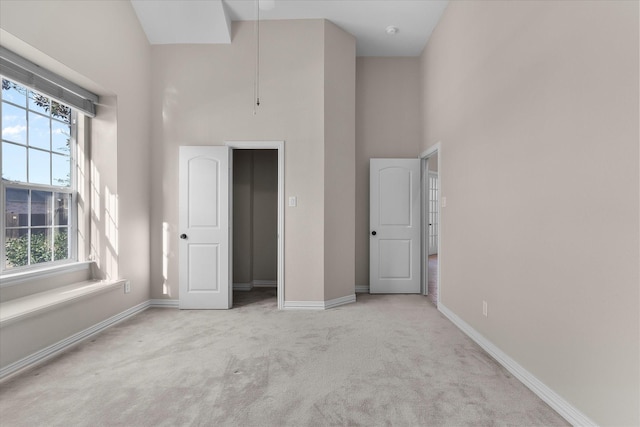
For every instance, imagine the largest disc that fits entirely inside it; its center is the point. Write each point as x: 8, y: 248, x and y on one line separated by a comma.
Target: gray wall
x: 211, y: 101
x: 528, y: 98
x: 387, y: 125
x: 339, y: 158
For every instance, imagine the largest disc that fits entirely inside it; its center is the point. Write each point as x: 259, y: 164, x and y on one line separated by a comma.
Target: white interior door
x: 204, y: 228
x: 394, y: 226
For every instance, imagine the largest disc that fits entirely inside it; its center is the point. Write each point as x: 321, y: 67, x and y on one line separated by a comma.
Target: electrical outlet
x: 484, y: 308
x: 127, y: 286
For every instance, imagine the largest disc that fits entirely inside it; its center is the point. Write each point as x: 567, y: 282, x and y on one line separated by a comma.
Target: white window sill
x: 21, y: 308
x: 13, y: 279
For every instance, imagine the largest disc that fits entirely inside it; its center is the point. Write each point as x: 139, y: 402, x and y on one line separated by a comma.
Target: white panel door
x: 394, y: 226
x: 204, y: 228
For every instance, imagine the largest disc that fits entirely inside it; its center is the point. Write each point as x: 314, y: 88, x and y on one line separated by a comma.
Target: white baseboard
x: 319, y: 305
x: 550, y: 397
x: 303, y: 305
x: 264, y: 283
x: 242, y: 287
x: 340, y: 301
x: 362, y: 289
x: 254, y: 284
x: 54, y: 349
x: 163, y: 303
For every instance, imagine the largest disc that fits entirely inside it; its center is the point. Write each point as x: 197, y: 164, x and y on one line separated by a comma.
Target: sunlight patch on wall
x: 111, y: 218
x: 166, y: 236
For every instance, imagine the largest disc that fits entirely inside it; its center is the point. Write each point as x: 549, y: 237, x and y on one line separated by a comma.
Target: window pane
x: 60, y: 137
x: 17, y: 208
x: 60, y: 243
x: 14, y: 162
x: 61, y: 170
x: 40, y: 208
x: 16, y: 247
x: 39, y: 103
x: 14, y: 123
x: 39, y: 131
x: 39, y: 167
x: 61, y: 112
x: 36, y: 148
x: 41, y: 245
x: 61, y: 214
x: 14, y: 93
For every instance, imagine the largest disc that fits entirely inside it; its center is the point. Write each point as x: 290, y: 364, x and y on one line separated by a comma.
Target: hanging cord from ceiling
x: 256, y: 83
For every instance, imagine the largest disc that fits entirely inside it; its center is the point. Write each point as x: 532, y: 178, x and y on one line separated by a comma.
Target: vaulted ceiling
x: 209, y: 21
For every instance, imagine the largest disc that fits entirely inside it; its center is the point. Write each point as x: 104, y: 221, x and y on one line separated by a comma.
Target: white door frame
x: 435, y: 149
x: 263, y: 145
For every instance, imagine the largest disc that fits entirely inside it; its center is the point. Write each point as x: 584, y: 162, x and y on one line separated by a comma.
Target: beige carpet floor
x: 383, y: 361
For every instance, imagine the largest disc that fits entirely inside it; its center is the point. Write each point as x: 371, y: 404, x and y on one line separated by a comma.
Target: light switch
x: 293, y: 201
x: 444, y: 202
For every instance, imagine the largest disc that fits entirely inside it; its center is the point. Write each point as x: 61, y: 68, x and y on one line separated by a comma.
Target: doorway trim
x: 435, y: 149
x: 265, y: 145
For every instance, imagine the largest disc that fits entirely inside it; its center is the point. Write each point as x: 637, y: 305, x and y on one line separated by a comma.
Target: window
x: 38, y: 183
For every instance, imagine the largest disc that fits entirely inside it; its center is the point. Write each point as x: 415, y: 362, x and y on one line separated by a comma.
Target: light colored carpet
x: 385, y: 360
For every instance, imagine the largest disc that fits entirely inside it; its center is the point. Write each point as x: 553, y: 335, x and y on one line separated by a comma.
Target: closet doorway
x: 255, y: 219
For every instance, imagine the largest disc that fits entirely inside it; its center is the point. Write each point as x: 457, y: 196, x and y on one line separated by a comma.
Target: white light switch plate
x: 293, y: 201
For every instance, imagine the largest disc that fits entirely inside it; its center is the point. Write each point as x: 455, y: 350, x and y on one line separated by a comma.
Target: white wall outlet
x: 484, y: 308
x: 127, y: 286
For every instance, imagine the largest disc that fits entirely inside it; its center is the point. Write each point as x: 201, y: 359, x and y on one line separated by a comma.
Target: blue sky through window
x: 14, y: 162
x: 36, y: 136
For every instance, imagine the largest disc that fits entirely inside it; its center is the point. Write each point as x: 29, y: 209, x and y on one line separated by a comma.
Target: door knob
x: 373, y: 233
x: 183, y: 236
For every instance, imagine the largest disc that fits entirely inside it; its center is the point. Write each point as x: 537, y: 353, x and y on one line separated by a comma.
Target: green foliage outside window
x: 17, y: 249
x: 58, y: 110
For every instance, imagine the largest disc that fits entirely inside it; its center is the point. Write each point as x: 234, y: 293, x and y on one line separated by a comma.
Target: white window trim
x: 41, y: 269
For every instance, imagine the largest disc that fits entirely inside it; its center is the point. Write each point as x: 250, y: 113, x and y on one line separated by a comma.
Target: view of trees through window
x: 36, y: 177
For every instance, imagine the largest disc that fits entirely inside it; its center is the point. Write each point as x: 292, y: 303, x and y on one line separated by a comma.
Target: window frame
x: 72, y: 189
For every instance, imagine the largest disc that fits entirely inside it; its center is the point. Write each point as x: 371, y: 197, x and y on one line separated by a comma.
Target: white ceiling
x: 209, y: 21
